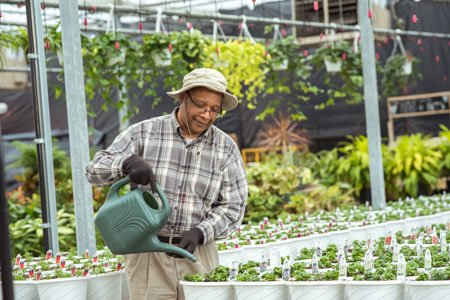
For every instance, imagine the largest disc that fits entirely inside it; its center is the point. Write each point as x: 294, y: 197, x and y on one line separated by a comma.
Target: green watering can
x: 130, y: 223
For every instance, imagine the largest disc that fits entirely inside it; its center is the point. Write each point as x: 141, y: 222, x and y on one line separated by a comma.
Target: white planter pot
x: 429, y: 290
x: 227, y: 257
x: 337, y: 238
x: 253, y: 253
x: 374, y: 290
x: 333, y: 67
x: 117, y: 59
x: 207, y: 290
x: 407, y: 68
x: 395, y: 226
x: 272, y: 290
x: 163, y: 59
x: 125, y: 291
x: 24, y: 290
x: 66, y: 288
x: 357, y: 234
x: 282, y: 66
x: 106, y: 286
x: 316, y: 290
x: 376, y: 231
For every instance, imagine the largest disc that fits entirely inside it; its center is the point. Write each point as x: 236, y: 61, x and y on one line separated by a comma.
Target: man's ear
x: 182, y: 98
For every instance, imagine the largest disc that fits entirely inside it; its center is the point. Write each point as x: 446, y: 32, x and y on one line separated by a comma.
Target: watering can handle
x: 120, y: 183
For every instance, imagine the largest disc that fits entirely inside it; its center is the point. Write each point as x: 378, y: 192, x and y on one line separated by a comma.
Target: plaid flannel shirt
x: 204, y: 180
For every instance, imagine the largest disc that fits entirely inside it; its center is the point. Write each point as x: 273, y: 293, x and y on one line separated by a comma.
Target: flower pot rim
x: 315, y: 283
x: 428, y: 282
x: 106, y: 274
x: 24, y: 282
x: 45, y: 281
x: 374, y: 282
x: 206, y: 284
x: 259, y: 283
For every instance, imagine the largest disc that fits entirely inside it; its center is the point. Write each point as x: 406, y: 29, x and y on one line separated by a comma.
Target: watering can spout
x: 130, y: 223
x: 168, y: 248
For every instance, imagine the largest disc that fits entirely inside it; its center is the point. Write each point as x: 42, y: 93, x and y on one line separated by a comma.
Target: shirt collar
x: 177, y: 127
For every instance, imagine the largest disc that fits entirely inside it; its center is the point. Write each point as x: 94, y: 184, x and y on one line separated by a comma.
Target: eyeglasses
x: 213, y: 111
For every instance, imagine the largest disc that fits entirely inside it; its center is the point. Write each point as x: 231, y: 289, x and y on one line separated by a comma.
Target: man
x: 199, y: 169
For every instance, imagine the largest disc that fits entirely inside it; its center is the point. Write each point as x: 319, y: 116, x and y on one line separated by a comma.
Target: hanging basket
x: 407, y: 68
x: 163, y: 59
x: 282, y: 65
x: 333, y: 67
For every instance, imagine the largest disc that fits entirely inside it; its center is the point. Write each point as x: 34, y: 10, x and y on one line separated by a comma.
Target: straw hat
x: 208, y: 78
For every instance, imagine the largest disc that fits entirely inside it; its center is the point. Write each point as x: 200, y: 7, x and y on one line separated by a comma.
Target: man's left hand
x: 191, y: 239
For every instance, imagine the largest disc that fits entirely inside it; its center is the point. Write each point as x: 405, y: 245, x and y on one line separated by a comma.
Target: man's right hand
x: 139, y: 171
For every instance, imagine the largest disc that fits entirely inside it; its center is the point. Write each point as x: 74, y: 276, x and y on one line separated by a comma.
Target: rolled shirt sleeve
x: 106, y: 166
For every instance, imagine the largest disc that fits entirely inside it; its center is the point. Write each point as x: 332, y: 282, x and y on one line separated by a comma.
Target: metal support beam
x: 6, y: 279
x: 77, y: 123
x: 371, y: 107
x: 152, y: 12
x: 42, y: 125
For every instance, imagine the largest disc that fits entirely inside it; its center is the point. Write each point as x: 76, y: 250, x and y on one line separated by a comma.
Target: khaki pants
x: 155, y: 275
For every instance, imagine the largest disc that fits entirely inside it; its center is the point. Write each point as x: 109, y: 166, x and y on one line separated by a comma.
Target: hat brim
x: 229, y: 101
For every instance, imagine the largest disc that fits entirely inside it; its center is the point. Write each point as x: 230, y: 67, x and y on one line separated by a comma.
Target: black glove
x: 139, y: 171
x: 191, y: 239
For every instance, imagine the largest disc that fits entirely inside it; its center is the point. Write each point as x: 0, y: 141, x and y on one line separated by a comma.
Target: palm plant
x: 282, y: 133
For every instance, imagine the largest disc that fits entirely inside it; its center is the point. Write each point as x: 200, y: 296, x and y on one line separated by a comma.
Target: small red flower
x: 305, y: 53
x: 369, y: 14
x: 140, y: 26
x: 170, y: 47
x: 414, y: 18
x: 344, y: 56
x: 316, y: 5
x: 116, y: 46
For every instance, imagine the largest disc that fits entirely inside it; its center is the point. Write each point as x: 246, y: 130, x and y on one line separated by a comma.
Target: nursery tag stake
x: 342, y: 268
x: 233, y: 270
x: 274, y: 257
x: 318, y: 248
x: 401, y: 267
x: 49, y: 254
x: 314, y: 264
x: 434, y: 236
x: 263, y: 263
x: 443, y: 238
x: 286, y: 270
x: 427, y: 261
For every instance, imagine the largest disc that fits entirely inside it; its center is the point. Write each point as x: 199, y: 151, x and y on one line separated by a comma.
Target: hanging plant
x: 346, y: 83
x: 398, y: 72
x: 20, y: 42
x: 54, y: 42
x: 6, y: 40
x: 294, y: 80
x: 243, y: 63
x: 111, y: 65
x: 181, y: 52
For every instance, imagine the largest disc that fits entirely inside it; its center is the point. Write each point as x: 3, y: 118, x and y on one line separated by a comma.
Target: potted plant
x: 433, y: 285
x: 398, y: 72
x: 414, y: 164
x: 213, y: 285
x: 322, y: 286
x: 245, y: 69
x: 248, y: 285
x: 111, y: 65
x: 350, y: 82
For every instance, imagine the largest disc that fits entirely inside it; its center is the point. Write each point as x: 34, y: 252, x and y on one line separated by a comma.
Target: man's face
x: 199, y: 109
